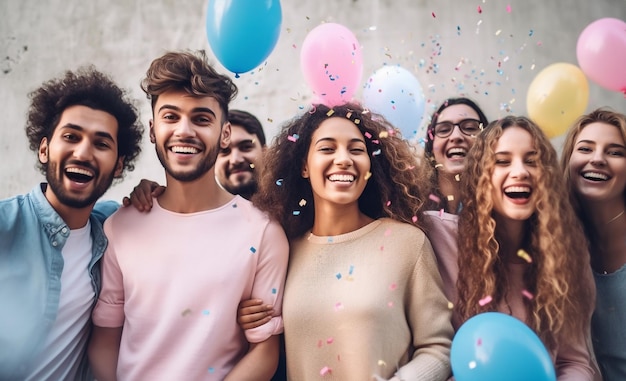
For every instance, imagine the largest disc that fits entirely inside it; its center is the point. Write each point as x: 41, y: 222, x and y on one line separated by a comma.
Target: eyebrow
x: 355, y: 140
x: 78, y: 128
x: 196, y: 109
x: 593, y: 142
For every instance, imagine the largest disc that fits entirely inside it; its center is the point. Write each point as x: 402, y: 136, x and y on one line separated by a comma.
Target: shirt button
x: 64, y: 230
x: 54, y: 243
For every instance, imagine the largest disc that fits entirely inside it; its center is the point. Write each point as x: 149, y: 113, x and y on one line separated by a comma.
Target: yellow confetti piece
x: 457, y: 177
x: 450, y: 197
x: 524, y: 255
x: 348, y: 115
x: 498, y: 32
x: 438, y: 165
x: 450, y: 305
x: 357, y: 121
x: 381, y: 363
x: 330, y: 112
x: 252, y: 165
x: 383, y: 135
x: 302, y: 202
x: 368, y: 175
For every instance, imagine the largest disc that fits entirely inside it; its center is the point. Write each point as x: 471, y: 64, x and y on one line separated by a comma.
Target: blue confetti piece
x: 351, y: 269
x: 279, y: 182
x: 234, y: 205
x: 252, y: 249
x: 330, y: 239
x: 211, y: 370
x: 296, y: 212
x: 205, y: 312
x: 338, y: 276
x: 274, y: 291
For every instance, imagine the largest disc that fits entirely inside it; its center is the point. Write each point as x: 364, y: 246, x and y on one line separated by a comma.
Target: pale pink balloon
x: 601, y: 53
x: 332, y: 63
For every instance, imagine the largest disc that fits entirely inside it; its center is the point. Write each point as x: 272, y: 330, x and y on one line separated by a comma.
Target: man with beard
x: 173, y: 278
x: 237, y: 165
x: 85, y: 132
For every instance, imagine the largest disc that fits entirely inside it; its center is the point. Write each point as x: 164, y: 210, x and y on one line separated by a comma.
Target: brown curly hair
x: 86, y: 87
x: 562, y: 303
x: 395, y: 189
x: 190, y: 72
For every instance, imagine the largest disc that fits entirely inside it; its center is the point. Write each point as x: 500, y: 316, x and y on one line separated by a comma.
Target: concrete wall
x: 450, y: 47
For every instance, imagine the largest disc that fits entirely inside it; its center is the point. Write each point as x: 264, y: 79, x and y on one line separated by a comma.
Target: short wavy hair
x: 562, y: 303
x: 428, y: 147
x: 191, y: 72
x: 395, y: 189
x: 91, y: 88
x: 249, y: 122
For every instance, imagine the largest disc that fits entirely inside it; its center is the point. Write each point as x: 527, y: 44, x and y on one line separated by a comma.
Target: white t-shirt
x: 66, y: 341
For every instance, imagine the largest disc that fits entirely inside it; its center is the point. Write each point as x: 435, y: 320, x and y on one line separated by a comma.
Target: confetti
x: 527, y: 294
x: 508, y: 8
x: 377, y: 152
x: 486, y: 300
x: 211, y: 370
x: 302, y: 202
x: 206, y: 312
x: 381, y: 363
x: 450, y: 197
x: 293, y: 138
x: 274, y: 291
x: 524, y: 255
x: 325, y: 370
x: 390, y: 304
x: 480, y: 10
x: 338, y: 276
x: 186, y: 312
x: 383, y: 135
x: 338, y: 306
x: 296, y: 212
x: 434, y: 198
x: 387, y: 232
x: 330, y: 340
x: 252, y: 249
x: 368, y: 135
x: 368, y: 175
x: 457, y: 177
x: 393, y: 286
x: 330, y: 112
x: 433, y: 14
x: 388, y: 203
x: 450, y: 305
x: 414, y: 219
x: 279, y: 182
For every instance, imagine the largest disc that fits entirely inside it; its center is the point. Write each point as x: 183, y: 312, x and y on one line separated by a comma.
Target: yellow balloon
x: 556, y: 97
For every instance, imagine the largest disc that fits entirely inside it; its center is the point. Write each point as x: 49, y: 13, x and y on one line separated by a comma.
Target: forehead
x: 601, y: 132
x: 89, y: 120
x: 515, y: 139
x: 456, y: 113
x: 187, y: 103
x: 337, y: 128
x: 239, y: 133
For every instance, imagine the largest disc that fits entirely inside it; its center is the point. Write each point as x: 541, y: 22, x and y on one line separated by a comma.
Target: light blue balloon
x: 494, y: 346
x: 396, y: 94
x: 243, y: 33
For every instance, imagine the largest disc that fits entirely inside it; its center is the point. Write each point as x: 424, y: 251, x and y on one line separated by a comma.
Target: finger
x: 250, y: 302
x: 256, y: 323
x: 265, y: 308
x: 158, y: 191
x: 126, y: 201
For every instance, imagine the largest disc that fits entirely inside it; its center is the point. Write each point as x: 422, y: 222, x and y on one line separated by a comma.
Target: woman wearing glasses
x: 450, y: 134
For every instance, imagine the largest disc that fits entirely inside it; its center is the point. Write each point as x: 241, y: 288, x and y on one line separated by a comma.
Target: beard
x: 54, y: 177
x: 187, y: 176
x: 244, y: 189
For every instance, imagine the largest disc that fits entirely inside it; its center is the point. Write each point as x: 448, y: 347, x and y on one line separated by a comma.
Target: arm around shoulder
x: 103, y: 351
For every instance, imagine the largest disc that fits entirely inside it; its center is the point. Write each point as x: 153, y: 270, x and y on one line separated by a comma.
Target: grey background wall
x: 452, y: 49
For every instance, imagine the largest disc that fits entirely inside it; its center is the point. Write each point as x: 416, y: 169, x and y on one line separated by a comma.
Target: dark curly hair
x: 85, y: 87
x: 190, y: 72
x: 394, y: 190
x: 442, y: 201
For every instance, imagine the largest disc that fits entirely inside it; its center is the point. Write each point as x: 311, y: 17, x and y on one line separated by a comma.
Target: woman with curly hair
x: 594, y: 164
x: 363, y: 298
x: 521, y: 248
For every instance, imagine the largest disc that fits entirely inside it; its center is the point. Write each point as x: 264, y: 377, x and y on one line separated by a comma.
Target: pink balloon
x: 332, y: 63
x: 601, y: 53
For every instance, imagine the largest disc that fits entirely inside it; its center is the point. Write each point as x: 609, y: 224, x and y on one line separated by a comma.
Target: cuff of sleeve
x: 108, y: 315
x: 262, y: 333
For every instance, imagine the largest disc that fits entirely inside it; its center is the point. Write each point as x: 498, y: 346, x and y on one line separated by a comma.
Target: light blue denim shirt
x: 32, y: 236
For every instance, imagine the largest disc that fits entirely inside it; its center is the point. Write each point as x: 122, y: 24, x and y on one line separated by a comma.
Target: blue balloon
x: 396, y: 94
x: 243, y: 33
x: 493, y: 346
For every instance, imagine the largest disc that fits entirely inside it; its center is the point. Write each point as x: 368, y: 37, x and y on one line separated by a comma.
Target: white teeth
x: 79, y: 171
x: 595, y: 176
x: 345, y: 178
x: 457, y: 151
x: 184, y: 149
x: 517, y: 190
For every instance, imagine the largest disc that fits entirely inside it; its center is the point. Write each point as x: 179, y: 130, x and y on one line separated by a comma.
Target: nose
x: 343, y: 158
x: 456, y: 134
x: 519, y: 170
x: 185, y: 128
x: 235, y: 156
x: 83, y: 151
x: 598, y: 158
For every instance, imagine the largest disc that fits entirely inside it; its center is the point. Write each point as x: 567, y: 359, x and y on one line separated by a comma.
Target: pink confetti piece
x: 393, y: 286
x: 486, y: 300
x: 441, y: 211
x: 368, y: 135
x: 330, y: 340
x: 325, y: 370
x: 388, y: 203
x: 293, y: 138
x: 480, y: 10
x: 390, y: 304
x: 338, y: 306
x: 433, y: 14
x: 387, y: 232
x: 414, y: 219
x: 434, y: 198
x: 508, y: 8
x: 527, y: 294
x: 479, y: 342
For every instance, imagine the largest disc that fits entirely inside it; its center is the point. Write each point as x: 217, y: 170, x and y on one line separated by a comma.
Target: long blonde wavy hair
x: 561, y: 306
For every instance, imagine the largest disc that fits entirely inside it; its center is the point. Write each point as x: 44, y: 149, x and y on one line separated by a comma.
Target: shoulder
x: 103, y: 209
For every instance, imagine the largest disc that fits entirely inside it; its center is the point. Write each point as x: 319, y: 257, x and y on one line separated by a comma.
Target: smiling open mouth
x: 518, y: 192
x: 79, y: 175
x: 456, y: 152
x: 595, y: 176
x: 341, y: 178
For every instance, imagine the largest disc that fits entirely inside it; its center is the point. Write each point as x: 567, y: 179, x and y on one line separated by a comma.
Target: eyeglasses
x: 469, y: 127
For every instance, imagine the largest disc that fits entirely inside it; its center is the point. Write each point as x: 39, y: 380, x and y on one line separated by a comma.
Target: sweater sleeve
x: 429, y: 318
